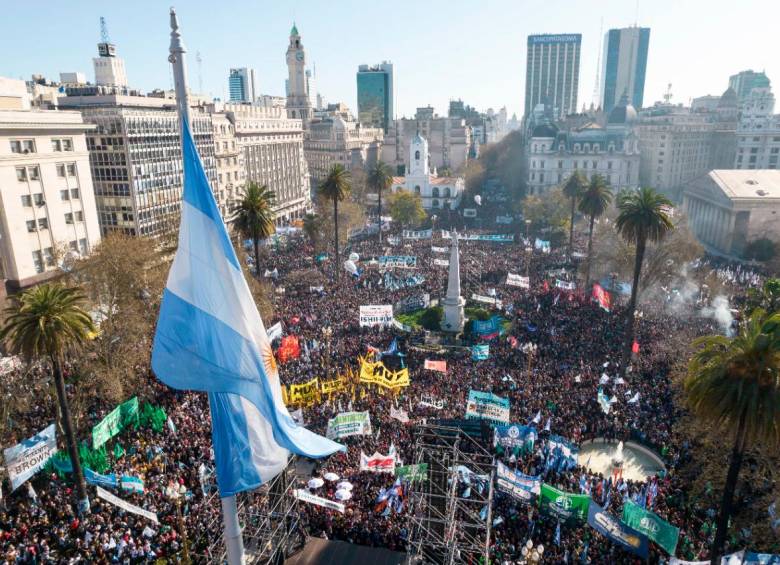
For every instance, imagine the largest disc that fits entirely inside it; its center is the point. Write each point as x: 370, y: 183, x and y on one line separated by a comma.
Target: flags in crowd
x: 602, y: 296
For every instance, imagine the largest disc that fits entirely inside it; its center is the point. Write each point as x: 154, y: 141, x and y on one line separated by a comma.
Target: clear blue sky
x: 442, y: 49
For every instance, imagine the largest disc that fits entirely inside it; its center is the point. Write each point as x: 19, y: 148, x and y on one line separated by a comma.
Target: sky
x: 441, y: 49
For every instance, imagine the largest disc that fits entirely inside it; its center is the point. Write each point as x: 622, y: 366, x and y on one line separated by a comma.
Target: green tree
x: 380, y: 178
x: 573, y: 189
x: 336, y: 188
x: 594, y: 202
x: 643, y: 216
x: 762, y: 249
x: 48, y: 322
x: 767, y: 297
x: 253, y: 216
x: 406, y: 208
x: 733, y: 384
x: 312, y: 227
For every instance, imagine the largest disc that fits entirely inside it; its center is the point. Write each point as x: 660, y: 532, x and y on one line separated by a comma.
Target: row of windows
x: 594, y: 164
x: 43, y: 223
x: 586, y: 148
x: 28, y: 145
x: 33, y: 172
x: 46, y: 257
x: 65, y: 194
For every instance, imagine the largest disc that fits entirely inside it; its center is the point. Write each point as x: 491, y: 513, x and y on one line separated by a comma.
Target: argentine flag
x: 210, y: 338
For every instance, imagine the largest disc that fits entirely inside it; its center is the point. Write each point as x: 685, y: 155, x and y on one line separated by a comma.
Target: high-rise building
x: 47, y: 205
x: 299, y: 104
x: 744, y: 82
x: 552, y: 72
x: 375, y: 95
x: 241, y: 83
x: 624, y: 66
x: 758, y: 132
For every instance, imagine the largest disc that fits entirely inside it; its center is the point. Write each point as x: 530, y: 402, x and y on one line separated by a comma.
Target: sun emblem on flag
x: 269, y: 361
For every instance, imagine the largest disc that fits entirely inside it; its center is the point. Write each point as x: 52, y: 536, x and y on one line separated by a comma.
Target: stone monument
x: 453, y: 303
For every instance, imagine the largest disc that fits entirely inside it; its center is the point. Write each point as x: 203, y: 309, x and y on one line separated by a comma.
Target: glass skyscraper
x: 624, y: 66
x: 744, y: 82
x: 241, y: 84
x: 375, y: 95
x: 552, y: 72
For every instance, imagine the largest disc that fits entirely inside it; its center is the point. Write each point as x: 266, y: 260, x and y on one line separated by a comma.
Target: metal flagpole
x: 233, y: 539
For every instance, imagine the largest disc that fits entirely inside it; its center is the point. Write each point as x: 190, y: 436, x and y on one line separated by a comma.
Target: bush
x: 431, y: 318
x: 478, y: 314
x: 762, y: 249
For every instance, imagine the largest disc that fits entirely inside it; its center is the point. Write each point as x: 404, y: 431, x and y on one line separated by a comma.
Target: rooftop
x: 742, y: 184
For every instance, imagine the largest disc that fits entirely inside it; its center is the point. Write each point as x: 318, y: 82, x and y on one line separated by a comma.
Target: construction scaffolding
x: 450, y: 513
x: 269, y: 519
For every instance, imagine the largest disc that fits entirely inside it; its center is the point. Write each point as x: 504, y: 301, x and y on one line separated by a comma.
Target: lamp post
x: 175, y: 494
x: 530, y: 351
x: 528, y: 248
x: 531, y: 554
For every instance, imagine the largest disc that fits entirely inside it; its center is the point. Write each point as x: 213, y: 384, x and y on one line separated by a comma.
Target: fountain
x: 627, y: 460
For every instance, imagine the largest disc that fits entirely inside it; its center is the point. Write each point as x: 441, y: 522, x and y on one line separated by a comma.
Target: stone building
x: 230, y: 164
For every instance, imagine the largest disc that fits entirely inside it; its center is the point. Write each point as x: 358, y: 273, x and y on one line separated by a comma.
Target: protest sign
x: 25, y: 459
x: 487, y: 329
x: 377, y: 463
x: 439, y: 249
x: 520, y: 486
x: 565, y: 285
x: 97, y: 479
x: 441, y: 262
x: 564, y: 506
x: 652, y: 525
x: 515, y: 435
x: 376, y: 315
x: 399, y: 414
x: 412, y: 473
x: 126, y: 506
x: 517, y: 280
x: 306, y: 496
x: 440, y: 366
x: 375, y: 372
x: 420, y: 234
x: 397, y: 261
x: 487, y: 406
x: 412, y: 303
x: 487, y: 300
x: 275, y: 331
x: 617, y: 532
x: 115, y: 422
x: 303, y: 393
x: 348, y: 424
x: 480, y: 352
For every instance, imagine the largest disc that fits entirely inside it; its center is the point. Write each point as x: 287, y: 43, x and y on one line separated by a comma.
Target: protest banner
x: 522, y: 487
x: 306, y: 496
x: 289, y: 348
x: 97, y: 479
x: 25, y: 459
x: 469, y: 212
x: 480, y: 352
x: 134, y: 484
x: 487, y: 300
x: 275, y: 331
x: 487, y: 406
x: 375, y: 372
x: 542, y: 245
x: 517, y: 280
x: 376, y: 315
x: 393, y: 282
x: 652, y: 525
x: 412, y: 303
x: 429, y: 401
x: 397, y: 262
x: 420, y: 234
x: 435, y: 249
x: 303, y: 393
x: 441, y: 262
x: 115, y: 422
x: 348, y: 424
x: 617, y: 532
x: 440, y: 366
x: 565, y: 285
x: 602, y: 296
x: 377, y: 463
x: 487, y: 329
x: 399, y: 414
x: 412, y: 473
x: 515, y: 435
x: 126, y: 506
x: 504, y: 219
x: 496, y: 238
x: 564, y: 506
x: 564, y: 453
x: 333, y: 386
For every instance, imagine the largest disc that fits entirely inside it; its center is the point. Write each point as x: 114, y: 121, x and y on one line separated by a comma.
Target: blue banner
x: 522, y: 487
x: 480, y: 352
x: 561, y: 454
x: 616, y: 531
x: 487, y: 406
x: 25, y: 459
x: 760, y: 558
x: 487, y: 329
x: 97, y: 479
x: 515, y: 435
x: 132, y: 483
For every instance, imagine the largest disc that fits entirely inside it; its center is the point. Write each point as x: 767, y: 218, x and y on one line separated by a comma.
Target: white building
x: 758, y: 132
x: 230, y: 164
x: 47, y: 203
x: 436, y: 192
x: 299, y: 97
x: 109, y: 69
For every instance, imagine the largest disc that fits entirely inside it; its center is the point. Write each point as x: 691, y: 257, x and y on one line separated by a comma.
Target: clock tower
x: 298, y: 99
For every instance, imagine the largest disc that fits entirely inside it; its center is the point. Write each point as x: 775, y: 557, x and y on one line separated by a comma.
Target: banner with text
x: 412, y: 303
x: 522, y: 487
x: 480, y: 352
x: 126, y: 506
x: 348, y: 424
x: 377, y: 463
x: 564, y: 506
x: 617, y: 532
x: 515, y: 435
x: 375, y: 372
x: 397, y: 261
x: 440, y: 366
x: 652, y: 525
x: 487, y: 406
x: 306, y: 496
x: 412, y: 473
x: 376, y: 315
x: 115, y: 422
x: 420, y: 234
x: 25, y: 459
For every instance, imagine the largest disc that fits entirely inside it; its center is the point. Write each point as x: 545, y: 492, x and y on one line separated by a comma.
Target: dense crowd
x: 577, y: 342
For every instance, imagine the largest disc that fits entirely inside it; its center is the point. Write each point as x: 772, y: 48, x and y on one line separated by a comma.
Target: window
x: 417, y: 189
x: 48, y: 254
x: 609, y: 165
x: 28, y: 146
x: 26, y: 200
x: 61, y: 170
x: 43, y: 223
x: 38, y: 199
x: 31, y: 226
x: 560, y: 164
x: 417, y: 155
x: 435, y: 191
x: 34, y: 173
x: 56, y: 145
x: 67, y: 144
x: 21, y: 174
x: 69, y: 218
x: 37, y: 261
x: 74, y: 246
x: 64, y: 194
x: 74, y: 193
x: 83, y: 246
x: 16, y: 146
x: 80, y: 216
x: 71, y: 169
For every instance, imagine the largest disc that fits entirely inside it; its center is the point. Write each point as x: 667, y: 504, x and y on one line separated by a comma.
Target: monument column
x: 453, y: 303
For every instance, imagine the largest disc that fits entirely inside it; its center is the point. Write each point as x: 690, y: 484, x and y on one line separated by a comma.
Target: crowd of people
x: 577, y: 342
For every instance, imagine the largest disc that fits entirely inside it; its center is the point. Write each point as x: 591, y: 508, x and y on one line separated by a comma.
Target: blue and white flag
x: 210, y: 338
x: 97, y: 479
x: 132, y: 483
x: 25, y: 459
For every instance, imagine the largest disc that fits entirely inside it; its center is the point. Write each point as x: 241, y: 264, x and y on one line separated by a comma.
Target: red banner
x: 440, y: 366
x: 635, y: 348
x: 289, y: 348
x: 605, y: 300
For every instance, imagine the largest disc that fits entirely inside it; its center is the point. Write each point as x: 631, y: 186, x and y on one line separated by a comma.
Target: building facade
x: 241, y: 85
x: 229, y: 160
x: 47, y: 203
x: 449, y: 140
x: 728, y: 209
x: 375, y: 95
x: 272, y: 147
x: 744, y: 82
x: 613, y: 152
x: 624, y: 66
x: 758, y: 132
x: 109, y: 69
x: 552, y: 72
x: 299, y: 103
x: 436, y: 192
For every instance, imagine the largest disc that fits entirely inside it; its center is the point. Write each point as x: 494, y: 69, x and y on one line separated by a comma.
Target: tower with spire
x: 298, y: 99
x: 453, y: 303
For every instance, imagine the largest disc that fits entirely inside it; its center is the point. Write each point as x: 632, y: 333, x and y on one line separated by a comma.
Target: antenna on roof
x: 668, y: 94
x: 104, y: 30
x: 597, y: 86
x: 200, y: 71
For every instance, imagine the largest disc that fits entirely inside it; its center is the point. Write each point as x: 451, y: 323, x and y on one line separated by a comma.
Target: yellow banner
x: 336, y: 385
x: 375, y: 372
x: 304, y: 393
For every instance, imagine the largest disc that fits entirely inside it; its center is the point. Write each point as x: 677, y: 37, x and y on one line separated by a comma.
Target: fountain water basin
x: 629, y: 460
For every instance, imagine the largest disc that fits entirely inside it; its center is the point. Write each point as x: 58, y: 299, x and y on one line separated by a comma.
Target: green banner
x: 652, y: 525
x: 565, y: 506
x: 412, y: 473
x: 115, y: 422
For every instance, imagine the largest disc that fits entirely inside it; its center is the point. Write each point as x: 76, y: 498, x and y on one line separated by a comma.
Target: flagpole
x: 234, y: 542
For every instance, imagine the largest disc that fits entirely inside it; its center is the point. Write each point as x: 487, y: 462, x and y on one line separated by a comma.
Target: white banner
x: 431, y: 402
x: 517, y: 280
x: 377, y: 463
x: 297, y: 417
x: 124, y: 505
x: 565, y: 285
x: 275, y: 331
x: 422, y: 234
x: 306, y: 496
x: 469, y: 212
x: 441, y: 262
x: 399, y: 261
x: 504, y: 219
x: 487, y: 300
x: 376, y: 315
x: 439, y: 249
x: 25, y: 459
x: 348, y: 424
x: 399, y: 414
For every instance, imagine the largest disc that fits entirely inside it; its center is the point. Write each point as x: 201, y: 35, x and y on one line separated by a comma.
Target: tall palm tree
x: 380, y: 178
x: 733, y: 383
x: 336, y: 187
x: 47, y: 323
x: 573, y: 189
x: 643, y: 217
x: 253, y: 216
x: 594, y: 201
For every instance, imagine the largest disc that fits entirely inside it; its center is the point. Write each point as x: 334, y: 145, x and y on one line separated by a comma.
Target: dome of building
x: 623, y: 113
x: 339, y: 124
x: 545, y: 130
x: 728, y: 99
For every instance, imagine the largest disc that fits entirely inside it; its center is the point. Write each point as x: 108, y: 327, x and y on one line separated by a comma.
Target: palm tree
x: 380, y: 177
x: 336, y: 187
x: 253, y: 216
x: 643, y: 217
x: 48, y: 322
x: 733, y: 383
x: 594, y: 201
x: 312, y: 223
x: 573, y: 189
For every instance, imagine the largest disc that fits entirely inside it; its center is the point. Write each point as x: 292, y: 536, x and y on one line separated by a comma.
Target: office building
x: 552, y: 72
x: 375, y: 95
x: 437, y: 192
x: 47, y: 205
x: 758, y: 132
x: 241, y: 84
x: 229, y: 160
x: 744, y: 82
x: 109, y: 69
x: 728, y: 209
x: 624, y: 66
